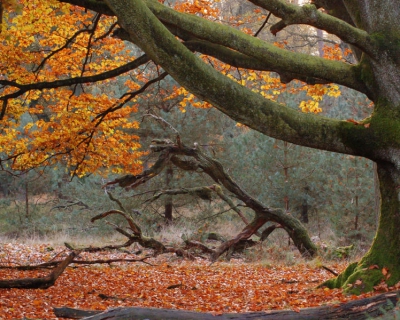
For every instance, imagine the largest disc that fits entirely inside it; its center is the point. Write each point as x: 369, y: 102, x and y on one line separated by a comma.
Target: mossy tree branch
x: 237, y: 101
x: 308, y: 14
x: 279, y: 60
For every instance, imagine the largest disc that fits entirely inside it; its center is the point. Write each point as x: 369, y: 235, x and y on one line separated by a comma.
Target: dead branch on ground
x: 194, y: 160
x: 39, y: 283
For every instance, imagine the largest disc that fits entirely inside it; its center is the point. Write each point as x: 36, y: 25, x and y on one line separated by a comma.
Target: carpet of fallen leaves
x: 170, y: 283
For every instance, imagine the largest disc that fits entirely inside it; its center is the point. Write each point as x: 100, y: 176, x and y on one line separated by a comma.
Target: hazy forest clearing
x: 222, y: 156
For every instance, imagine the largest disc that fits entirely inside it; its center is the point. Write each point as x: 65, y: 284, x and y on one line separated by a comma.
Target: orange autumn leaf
x: 375, y: 266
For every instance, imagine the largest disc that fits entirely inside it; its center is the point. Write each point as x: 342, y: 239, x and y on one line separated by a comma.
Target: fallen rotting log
x: 354, y: 310
x: 39, y: 283
x: 70, y: 313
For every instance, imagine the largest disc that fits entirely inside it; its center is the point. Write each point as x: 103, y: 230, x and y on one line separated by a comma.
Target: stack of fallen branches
x: 59, y: 267
x: 194, y: 160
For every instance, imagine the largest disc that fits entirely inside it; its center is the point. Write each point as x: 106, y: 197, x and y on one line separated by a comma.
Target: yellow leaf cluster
x: 310, y: 106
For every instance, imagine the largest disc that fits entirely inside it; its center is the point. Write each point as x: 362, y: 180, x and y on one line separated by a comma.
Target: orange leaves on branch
x: 185, y: 98
x: 317, y: 92
x: 62, y: 125
x: 335, y: 52
x: 310, y: 106
x: 205, y: 8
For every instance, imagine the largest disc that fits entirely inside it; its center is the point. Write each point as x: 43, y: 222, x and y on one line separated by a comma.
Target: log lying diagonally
x: 195, y: 160
x: 39, y: 283
x: 355, y: 310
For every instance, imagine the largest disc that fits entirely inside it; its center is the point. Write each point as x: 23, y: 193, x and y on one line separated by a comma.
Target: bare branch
x: 133, y: 226
x: 68, y: 82
x: 163, y: 121
x: 129, y: 96
x: 263, y: 25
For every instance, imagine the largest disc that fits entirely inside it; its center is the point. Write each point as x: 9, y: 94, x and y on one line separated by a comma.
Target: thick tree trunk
x: 355, y: 310
x: 381, y: 265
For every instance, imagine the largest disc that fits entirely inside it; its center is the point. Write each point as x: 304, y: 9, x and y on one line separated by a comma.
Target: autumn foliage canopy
x: 62, y: 100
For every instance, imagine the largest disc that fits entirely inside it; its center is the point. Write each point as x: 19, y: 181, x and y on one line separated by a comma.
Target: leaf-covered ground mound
x: 221, y: 287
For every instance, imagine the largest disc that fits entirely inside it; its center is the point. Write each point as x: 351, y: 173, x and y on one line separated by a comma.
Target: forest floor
x: 169, y: 282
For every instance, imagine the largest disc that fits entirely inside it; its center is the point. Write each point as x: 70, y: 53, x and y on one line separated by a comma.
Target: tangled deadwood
x: 135, y: 236
x: 195, y: 160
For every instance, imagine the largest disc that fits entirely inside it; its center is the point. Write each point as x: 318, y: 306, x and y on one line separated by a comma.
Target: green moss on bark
x: 340, y: 279
x: 362, y: 280
x: 382, y: 262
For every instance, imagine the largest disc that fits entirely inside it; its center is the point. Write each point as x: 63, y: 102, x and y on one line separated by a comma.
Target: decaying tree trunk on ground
x: 356, y: 310
x: 39, y: 283
x: 193, y: 159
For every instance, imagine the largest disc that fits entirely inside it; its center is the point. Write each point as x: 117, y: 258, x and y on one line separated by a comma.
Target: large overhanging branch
x: 308, y: 14
x: 229, y: 56
x: 240, y: 60
x: 284, y: 60
x: 278, y: 59
x: 235, y: 100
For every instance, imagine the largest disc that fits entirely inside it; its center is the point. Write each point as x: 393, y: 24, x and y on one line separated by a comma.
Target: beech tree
x: 172, y: 39
x: 371, y: 27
